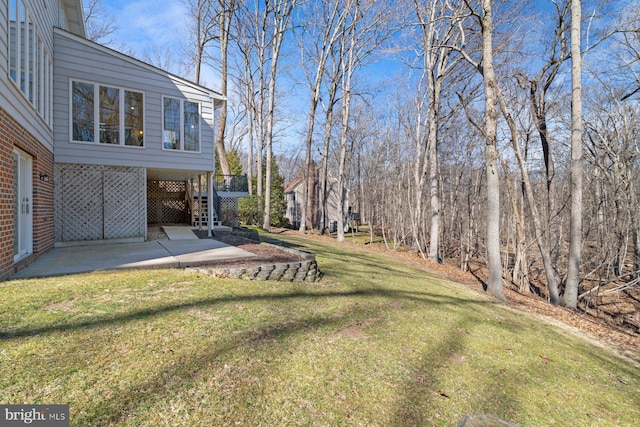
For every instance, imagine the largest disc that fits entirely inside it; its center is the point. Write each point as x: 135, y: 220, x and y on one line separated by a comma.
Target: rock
x: 483, y: 420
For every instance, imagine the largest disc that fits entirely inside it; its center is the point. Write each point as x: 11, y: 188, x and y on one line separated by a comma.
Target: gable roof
x: 139, y: 63
x: 292, y: 185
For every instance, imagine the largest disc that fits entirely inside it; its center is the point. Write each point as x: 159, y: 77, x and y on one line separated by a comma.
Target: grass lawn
x: 376, y: 342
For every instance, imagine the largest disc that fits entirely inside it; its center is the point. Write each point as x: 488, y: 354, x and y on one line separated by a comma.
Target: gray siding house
x: 294, y: 196
x: 126, y: 137
x: 94, y: 144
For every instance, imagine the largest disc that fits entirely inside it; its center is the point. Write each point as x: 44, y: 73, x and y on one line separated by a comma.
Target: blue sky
x: 144, y: 23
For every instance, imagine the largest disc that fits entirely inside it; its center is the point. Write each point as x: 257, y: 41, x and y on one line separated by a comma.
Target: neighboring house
x: 294, y: 196
x: 94, y: 144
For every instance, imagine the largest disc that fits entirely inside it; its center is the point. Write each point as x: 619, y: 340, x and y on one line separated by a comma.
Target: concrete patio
x: 184, y: 252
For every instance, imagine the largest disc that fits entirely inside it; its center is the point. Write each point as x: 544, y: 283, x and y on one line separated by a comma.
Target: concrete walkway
x: 179, y: 232
x: 155, y: 254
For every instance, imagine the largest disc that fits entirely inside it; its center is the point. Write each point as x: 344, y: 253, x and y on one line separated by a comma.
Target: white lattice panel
x: 229, y: 211
x: 98, y: 202
x: 122, y: 204
x: 82, y: 204
x: 166, y: 202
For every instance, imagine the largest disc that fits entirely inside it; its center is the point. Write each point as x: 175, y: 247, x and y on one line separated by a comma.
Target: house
x: 294, y: 196
x: 94, y: 144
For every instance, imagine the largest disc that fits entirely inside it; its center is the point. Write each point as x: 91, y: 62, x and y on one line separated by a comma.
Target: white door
x: 23, y: 205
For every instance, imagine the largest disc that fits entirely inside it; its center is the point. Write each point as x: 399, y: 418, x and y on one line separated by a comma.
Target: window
x: 13, y: 41
x: 29, y: 61
x: 24, y: 45
x: 82, y: 111
x: 181, y: 125
x: 133, y: 122
x: 109, y: 115
x: 191, y: 126
x: 31, y: 42
x: 117, y: 117
x: 171, y: 130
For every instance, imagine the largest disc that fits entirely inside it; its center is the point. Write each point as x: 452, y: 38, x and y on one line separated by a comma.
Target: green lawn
x: 376, y: 342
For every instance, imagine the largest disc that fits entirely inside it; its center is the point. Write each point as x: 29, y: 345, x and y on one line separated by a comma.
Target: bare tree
x: 224, y: 18
x: 210, y: 21
x: 490, y: 130
x: 201, y: 24
x: 334, y: 76
x: 570, y: 296
x: 281, y: 13
x: 330, y: 16
x: 366, y: 29
x: 437, y: 34
x: 539, y: 87
x: 98, y: 22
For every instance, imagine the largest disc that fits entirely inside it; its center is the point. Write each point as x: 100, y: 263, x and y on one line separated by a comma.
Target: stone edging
x: 299, y: 271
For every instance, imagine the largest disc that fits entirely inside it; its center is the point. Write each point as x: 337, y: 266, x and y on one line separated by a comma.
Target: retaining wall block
x: 278, y: 272
x: 289, y: 274
x: 250, y: 274
x: 305, y: 271
x: 236, y: 273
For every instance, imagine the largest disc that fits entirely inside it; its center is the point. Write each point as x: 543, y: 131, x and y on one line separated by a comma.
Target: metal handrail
x: 230, y: 183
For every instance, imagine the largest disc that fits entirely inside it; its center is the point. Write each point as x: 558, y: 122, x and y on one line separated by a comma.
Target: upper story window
x: 180, y: 124
x: 107, y: 115
x: 30, y: 64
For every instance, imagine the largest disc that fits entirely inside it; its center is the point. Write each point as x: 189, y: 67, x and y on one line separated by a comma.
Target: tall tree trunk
x: 432, y: 148
x: 281, y: 13
x: 331, y: 32
x: 553, y: 279
x: 494, y: 283
x: 346, y: 109
x: 226, y: 11
x: 251, y: 121
x: 348, y: 65
x: 570, y: 297
x: 308, y: 186
x: 520, y: 267
x: 324, y: 170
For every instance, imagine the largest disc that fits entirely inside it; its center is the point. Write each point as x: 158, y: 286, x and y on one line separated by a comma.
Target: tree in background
x: 325, y: 24
x: 235, y: 162
x: 209, y: 22
x: 250, y: 208
x: 98, y: 22
x: 570, y: 297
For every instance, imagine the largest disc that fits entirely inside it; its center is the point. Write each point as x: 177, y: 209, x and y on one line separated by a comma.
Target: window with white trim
x: 29, y: 61
x: 106, y: 114
x: 180, y: 124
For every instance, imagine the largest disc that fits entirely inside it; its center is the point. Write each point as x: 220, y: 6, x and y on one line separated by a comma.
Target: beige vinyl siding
x: 76, y: 59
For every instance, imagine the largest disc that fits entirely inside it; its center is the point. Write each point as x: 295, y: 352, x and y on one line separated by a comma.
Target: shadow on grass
x: 144, y: 394
x: 357, y: 260
x: 149, y: 391
x: 180, y: 375
x: 424, y: 399
x: 420, y: 297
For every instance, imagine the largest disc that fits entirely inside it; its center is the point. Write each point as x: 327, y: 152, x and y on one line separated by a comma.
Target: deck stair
x: 201, y: 211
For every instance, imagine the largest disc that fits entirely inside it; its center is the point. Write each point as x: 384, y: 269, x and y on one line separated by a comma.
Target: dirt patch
x: 265, y: 253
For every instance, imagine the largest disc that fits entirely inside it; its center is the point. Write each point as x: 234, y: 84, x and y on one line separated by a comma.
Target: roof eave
x: 75, y: 17
x: 216, y: 96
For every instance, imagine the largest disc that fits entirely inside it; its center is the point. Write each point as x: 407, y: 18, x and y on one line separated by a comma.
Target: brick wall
x: 12, y: 134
